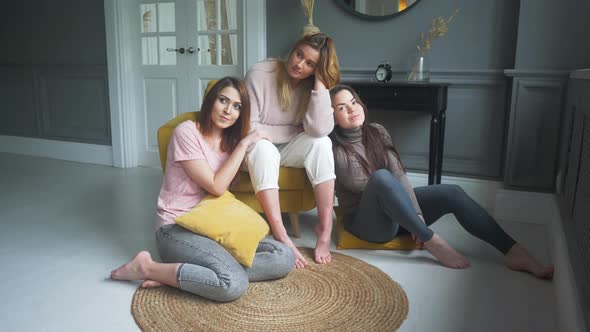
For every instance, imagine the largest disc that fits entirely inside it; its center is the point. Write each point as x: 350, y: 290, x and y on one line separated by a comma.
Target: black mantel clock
x: 383, y: 72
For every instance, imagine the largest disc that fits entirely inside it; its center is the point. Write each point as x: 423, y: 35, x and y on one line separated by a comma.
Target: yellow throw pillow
x: 346, y: 240
x: 229, y: 222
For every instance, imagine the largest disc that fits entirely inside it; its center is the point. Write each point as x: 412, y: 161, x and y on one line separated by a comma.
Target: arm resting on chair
x: 217, y: 183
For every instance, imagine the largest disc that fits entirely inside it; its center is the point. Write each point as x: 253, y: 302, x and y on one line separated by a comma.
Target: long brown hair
x: 375, y: 143
x: 230, y: 136
x: 327, y: 69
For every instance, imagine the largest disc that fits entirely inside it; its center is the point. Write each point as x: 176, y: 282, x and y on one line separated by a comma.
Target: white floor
x: 66, y: 225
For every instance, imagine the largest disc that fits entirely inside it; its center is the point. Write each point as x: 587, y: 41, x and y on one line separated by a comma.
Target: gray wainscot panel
x: 73, y: 103
x: 17, y: 113
x: 475, y: 122
x: 534, y: 125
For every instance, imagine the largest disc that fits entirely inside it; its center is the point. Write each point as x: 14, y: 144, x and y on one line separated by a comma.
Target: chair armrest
x: 165, y: 132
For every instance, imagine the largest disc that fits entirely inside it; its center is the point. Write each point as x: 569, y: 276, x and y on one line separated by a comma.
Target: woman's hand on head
x: 253, y: 137
x: 318, y: 84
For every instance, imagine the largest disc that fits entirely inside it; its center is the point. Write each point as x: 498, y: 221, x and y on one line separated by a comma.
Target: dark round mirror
x: 377, y: 9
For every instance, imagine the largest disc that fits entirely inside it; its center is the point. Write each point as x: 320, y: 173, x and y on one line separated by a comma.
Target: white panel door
x: 184, y: 44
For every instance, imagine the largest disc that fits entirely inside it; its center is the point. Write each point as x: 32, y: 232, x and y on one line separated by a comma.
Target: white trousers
x: 312, y: 153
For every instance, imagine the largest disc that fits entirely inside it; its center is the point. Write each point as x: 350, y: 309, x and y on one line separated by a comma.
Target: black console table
x: 416, y: 97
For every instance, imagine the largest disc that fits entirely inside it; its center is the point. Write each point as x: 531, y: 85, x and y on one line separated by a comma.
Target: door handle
x: 181, y: 50
x: 178, y: 50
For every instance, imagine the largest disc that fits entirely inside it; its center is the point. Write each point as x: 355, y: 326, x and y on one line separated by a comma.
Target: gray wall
x: 553, y: 35
x: 482, y: 36
x: 485, y: 39
x: 53, y: 73
x: 481, y: 42
x: 551, y: 42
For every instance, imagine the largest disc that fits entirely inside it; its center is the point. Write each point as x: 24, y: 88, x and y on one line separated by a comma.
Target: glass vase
x: 418, y: 67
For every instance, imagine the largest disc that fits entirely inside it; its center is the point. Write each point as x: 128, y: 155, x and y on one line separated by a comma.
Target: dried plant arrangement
x: 308, y: 11
x: 438, y: 28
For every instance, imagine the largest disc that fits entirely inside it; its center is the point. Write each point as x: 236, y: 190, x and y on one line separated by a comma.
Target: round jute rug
x: 344, y: 295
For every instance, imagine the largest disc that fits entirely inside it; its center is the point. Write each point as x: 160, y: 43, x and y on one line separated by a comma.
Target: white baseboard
x: 525, y: 206
x: 70, y: 151
x: 529, y: 207
x: 569, y: 314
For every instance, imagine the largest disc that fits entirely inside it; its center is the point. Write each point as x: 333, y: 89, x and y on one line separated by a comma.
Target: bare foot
x: 135, y: 269
x: 448, y: 256
x: 151, y: 284
x: 519, y: 259
x: 300, y: 261
x: 322, y: 247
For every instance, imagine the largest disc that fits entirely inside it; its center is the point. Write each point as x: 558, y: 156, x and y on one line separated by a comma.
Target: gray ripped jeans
x: 208, y: 270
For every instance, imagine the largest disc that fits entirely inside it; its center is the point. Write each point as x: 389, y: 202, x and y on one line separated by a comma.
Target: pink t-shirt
x: 179, y: 193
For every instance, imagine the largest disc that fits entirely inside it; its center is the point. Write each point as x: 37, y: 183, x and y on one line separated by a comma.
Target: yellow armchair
x: 295, y: 193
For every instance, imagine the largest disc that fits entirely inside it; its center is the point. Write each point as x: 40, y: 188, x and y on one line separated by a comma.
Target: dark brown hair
x: 231, y: 136
x: 375, y: 143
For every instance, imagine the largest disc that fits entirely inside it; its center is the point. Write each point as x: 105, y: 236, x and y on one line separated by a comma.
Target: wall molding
x: 538, y: 73
x: 527, y: 93
x: 569, y: 311
x: 56, y: 91
x: 40, y: 96
x: 70, y: 151
x: 453, y: 164
x: 441, y: 75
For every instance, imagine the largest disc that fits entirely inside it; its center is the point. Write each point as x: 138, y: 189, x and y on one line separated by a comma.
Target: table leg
x: 441, y: 145
x: 432, y: 153
x: 294, y: 218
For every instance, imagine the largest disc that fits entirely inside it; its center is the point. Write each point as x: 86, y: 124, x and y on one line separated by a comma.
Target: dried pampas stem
x: 308, y: 11
x: 438, y: 28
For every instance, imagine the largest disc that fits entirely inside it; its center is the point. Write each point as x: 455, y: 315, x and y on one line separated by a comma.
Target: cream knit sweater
x: 281, y: 125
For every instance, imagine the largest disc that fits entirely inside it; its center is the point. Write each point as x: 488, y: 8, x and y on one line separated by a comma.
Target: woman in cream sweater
x: 290, y: 104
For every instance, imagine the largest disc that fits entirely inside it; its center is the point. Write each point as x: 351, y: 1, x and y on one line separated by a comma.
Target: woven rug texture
x: 344, y: 295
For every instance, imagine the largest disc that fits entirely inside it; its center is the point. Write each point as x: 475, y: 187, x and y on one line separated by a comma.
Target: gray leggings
x: 385, y: 206
x: 210, y: 271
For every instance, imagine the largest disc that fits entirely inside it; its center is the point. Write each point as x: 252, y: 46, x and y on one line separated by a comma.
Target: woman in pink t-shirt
x: 203, y: 158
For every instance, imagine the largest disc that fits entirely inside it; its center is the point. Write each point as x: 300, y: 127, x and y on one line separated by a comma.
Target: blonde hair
x: 327, y: 70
